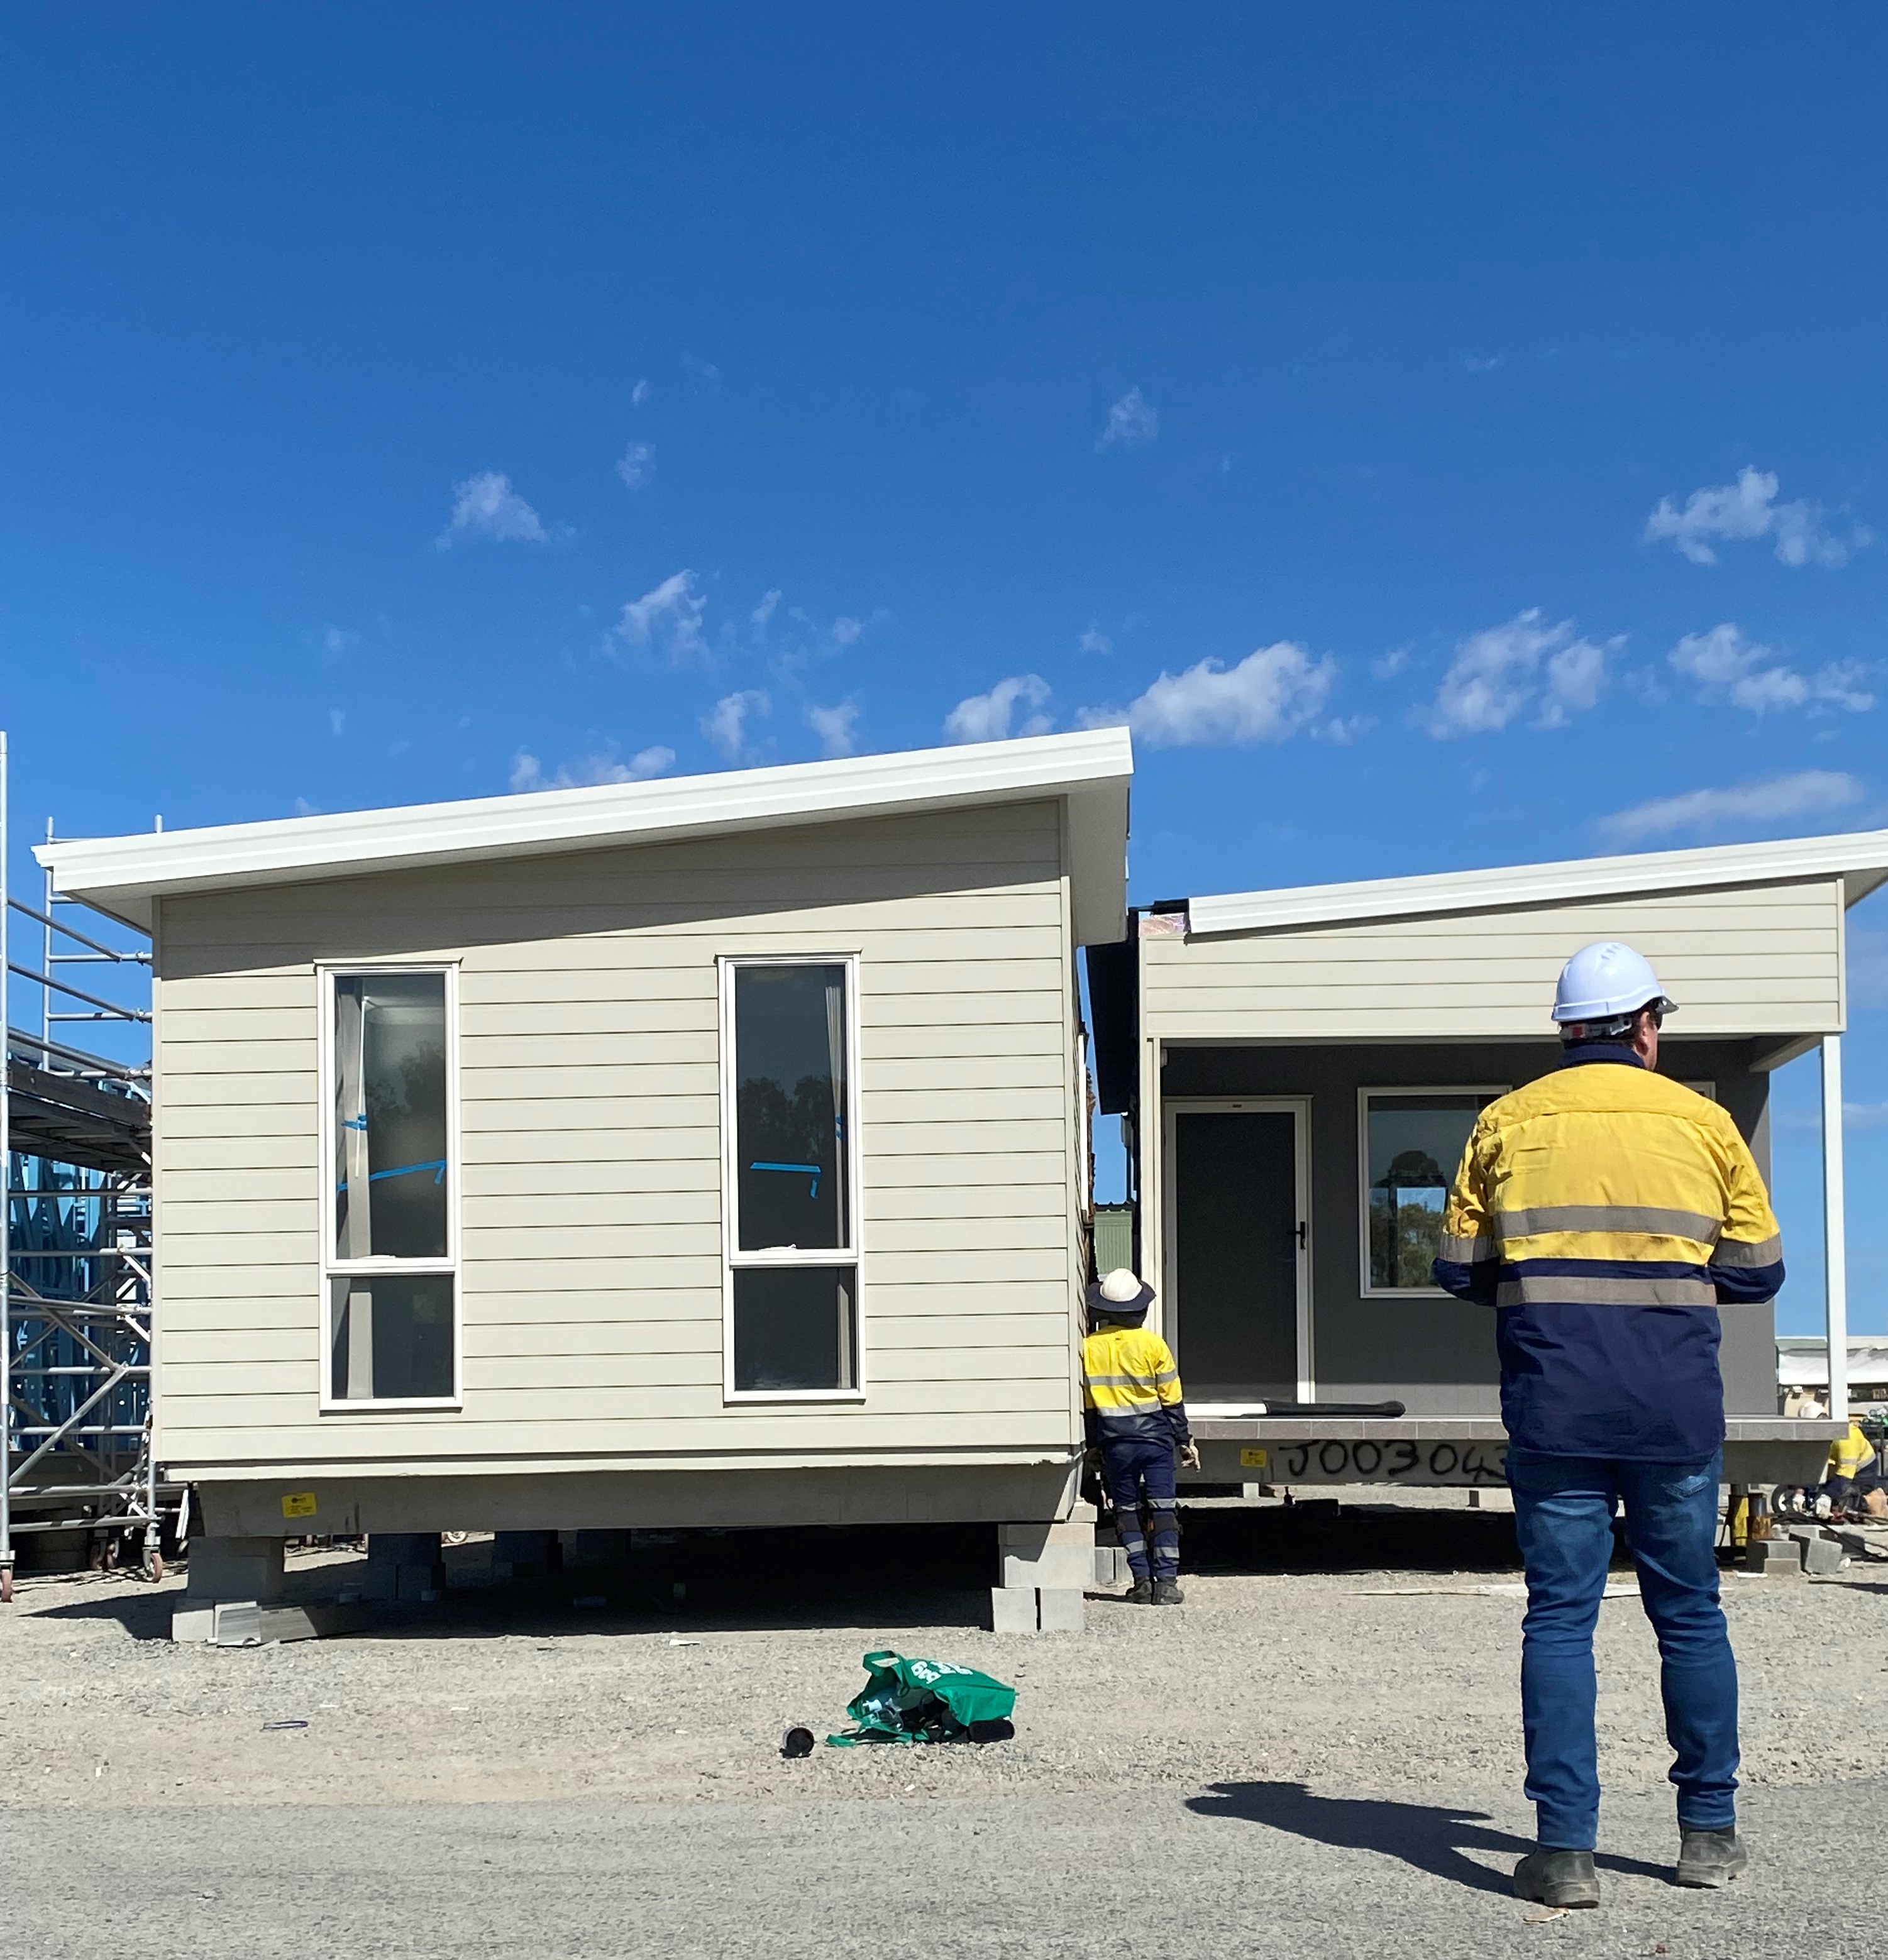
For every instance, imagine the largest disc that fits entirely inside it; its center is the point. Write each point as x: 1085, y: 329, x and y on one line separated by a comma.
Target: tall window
x: 1412, y: 1141
x: 790, y: 1123
x: 390, y: 1239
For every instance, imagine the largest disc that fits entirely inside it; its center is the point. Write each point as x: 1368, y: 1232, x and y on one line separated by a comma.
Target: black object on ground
x: 797, y: 1742
x: 998, y: 1731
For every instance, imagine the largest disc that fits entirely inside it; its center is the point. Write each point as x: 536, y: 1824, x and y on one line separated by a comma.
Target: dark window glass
x: 391, y: 1150
x: 793, y: 1327
x: 393, y: 1336
x: 1414, y: 1145
x: 790, y: 1107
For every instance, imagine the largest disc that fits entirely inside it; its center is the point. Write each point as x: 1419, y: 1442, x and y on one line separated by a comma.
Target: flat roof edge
x: 122, y: 875
x: 1859, y: 858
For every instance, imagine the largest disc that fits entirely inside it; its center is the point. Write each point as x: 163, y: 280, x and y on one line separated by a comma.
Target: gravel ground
x: 1380, y: 1670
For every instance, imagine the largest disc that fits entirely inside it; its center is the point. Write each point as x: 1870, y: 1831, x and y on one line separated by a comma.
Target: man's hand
x: 1189, y: 1456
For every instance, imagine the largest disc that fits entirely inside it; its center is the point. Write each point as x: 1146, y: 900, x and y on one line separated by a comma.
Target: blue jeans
x: 1564, y: 1508
x: 1126, y: 1466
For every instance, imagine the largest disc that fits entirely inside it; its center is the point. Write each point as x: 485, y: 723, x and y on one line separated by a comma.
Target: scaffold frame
x: 76, y: 1293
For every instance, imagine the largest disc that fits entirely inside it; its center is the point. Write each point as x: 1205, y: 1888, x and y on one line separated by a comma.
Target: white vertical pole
x: 1834, y: 1247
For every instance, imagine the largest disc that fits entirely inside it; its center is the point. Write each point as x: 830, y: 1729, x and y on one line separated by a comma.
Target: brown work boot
x: 1563, y: 1879
x: 1710, y: 1858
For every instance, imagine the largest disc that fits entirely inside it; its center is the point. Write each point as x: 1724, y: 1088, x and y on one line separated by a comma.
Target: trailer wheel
x: 154, y: 1570
x: 6, y: 1586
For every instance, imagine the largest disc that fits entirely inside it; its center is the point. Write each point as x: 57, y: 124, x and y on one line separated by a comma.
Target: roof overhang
x: 1089, y: 771
x: 1859, y: 859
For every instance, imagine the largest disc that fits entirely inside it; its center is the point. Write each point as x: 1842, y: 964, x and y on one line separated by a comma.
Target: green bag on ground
x: 924, y: 1702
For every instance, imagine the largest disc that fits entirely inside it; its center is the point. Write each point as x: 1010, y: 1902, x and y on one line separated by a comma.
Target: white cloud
x: 845, y: 631
x: 670, y: 615
x: 725, y: 725
x: 837, y: 727
x: 636, y: 466
x: 304, y: 808
x: 1092, y: 640
x: 764, y: 611
x: 986, y: 718
x: 1483, y: 363
x: 1271, y: 694
x: 1865, y: 1115
x: 602, y: 763
x: 1501, y: 673
x: 1132, y: 421
x: 639, y: 394
x: 1735, y: 512
x: 1388, y: 665
x: 1810, y: 793
x: 1729, y: 666
x: 485, y: 506
x: 337, y: 640
x: 337, y: 721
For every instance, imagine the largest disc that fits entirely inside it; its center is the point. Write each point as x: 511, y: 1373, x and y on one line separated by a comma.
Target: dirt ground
x: 1377, y: 1651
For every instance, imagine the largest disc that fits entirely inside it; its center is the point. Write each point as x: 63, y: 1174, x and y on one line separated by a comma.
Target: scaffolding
x: 75, y: 1236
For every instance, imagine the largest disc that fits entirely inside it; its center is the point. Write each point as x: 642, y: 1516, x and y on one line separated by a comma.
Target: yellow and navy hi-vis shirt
x: 1130, y: 1389
x: 1849, y: 1455
x: 1608, y: 1211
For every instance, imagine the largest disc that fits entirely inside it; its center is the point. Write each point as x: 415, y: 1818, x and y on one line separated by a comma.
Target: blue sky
x: 1451, y: 435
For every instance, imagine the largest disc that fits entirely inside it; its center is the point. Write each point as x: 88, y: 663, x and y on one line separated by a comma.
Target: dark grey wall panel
x: 1437, y: 1356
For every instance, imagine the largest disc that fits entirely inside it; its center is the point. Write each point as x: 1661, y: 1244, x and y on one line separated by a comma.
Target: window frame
x: 818, y: 1257
x: 1365, y: 1290
x: 327, y: 973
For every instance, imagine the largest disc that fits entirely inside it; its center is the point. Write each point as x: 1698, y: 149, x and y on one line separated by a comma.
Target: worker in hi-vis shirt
x: 1606, y: 1212
x: 1135, y: 1420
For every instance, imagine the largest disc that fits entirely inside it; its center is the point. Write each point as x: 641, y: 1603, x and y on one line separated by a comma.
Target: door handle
x: 1304, y: 1236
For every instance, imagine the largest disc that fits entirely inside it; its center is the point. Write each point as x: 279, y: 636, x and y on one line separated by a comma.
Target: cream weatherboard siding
x: 591, y: 1298
x: 1756, y: 960
x: 1762, y: 961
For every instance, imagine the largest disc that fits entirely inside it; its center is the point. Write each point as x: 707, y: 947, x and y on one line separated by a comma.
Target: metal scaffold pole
x: 76, y: 1301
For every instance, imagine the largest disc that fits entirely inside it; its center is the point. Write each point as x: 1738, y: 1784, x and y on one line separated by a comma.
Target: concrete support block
x: 1822, y: 1557
x: 1060, y: 1556
x: 193, y: 1622
x: 1111, y: 1566
x: 1059, y: 1609
x: 1013, y: 1609
x: 526, y: 1554
x: 1773, y: 1557
x: 599, y: 1547
x: 247, y: 1623
x: 234, y: 1568
x: 403, y: 1565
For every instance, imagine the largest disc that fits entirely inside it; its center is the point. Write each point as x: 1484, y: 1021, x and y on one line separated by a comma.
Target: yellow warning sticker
x: 1253, y: 1459
x: 298, y: 1504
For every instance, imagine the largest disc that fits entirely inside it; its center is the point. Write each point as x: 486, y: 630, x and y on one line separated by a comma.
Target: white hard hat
x: 1605, y: 980
x: 1121, y: 1286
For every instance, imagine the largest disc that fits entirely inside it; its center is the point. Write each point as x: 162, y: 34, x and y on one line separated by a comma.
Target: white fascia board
x: 1859, y: 859
x: 1090, y: 769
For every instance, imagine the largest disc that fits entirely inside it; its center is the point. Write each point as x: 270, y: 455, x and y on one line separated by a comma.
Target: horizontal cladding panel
x: 977, y: 1139
x: 580, y: 1211
x: 200, y: 1121
x: 613, y: 1315
x: 1302, y: 966
x: 485, y: 1413
x: 290, y: 991
x: 286, y: 1089
x: 179, y: 1157
x: 572, y: 1070
x: 942, y: 1112
x: 240, y: 1052
x: 1229, y: 1027
x: 1020, y: 1346
x: 293, y: 1439
x: 1417, y: 995
x: 663, y: 1236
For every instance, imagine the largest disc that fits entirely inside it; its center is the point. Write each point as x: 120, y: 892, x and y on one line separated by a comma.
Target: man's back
x: 1607, y: 1211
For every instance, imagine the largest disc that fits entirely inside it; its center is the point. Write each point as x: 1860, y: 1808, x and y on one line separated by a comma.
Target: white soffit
x: 1090, y: 770
x: 1859, y: 858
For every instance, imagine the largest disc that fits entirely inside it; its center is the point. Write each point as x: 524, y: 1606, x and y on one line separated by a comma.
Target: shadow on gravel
x: 1431, y: 1837
x: 145, y: 1616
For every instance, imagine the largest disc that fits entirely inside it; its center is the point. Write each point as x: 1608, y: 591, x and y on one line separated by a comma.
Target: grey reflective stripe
x: 1650, y: 1221
x: 1462, y: 1251
x: 1549, y: 1289
x: 1741, y: 1253
x: 1113, y: 1381
x: 1167, y: 1375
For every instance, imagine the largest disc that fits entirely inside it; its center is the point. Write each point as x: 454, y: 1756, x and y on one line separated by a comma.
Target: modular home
x: 1299, y: 1071
x: 706, y: 1152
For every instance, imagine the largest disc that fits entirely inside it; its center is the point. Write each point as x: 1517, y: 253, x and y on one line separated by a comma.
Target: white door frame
x: 1298, y: 1108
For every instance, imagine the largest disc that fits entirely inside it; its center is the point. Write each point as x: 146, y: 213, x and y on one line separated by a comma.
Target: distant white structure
x: 1802, y: 1368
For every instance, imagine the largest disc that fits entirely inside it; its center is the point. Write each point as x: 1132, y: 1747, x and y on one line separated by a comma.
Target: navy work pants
x: 1129, y: 1470
x: 1564, y: 1508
